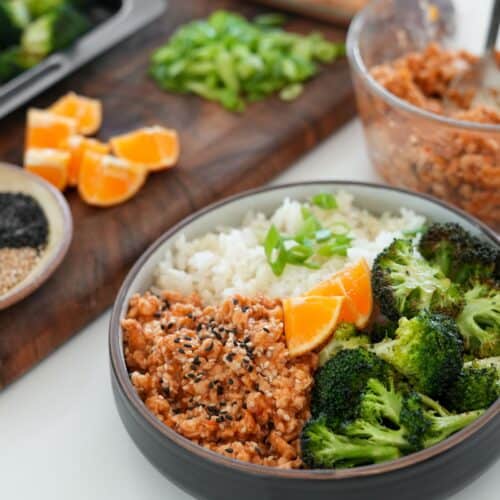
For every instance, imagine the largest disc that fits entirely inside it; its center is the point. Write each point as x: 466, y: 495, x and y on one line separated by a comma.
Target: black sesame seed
x: 177, y: 340
x: 170, y: 325
x: 196, y: 361
x: 266, y: 330
x: 157, y: 314
x: 229, y: 450
x: 220, y: 390
x: 209, y: 347
x: 245, y: 308
x: 219, y: 419
x: 230, y: 381
x: 235, y: 302
x: 250, y: 369
x: 182, y: 351
x: 189, y: 315
x: 199, y: 327
x: 228, y: 417
x: 188, y: 346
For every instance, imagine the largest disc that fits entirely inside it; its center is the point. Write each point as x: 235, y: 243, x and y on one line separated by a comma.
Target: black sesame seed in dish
x: 24, y: 232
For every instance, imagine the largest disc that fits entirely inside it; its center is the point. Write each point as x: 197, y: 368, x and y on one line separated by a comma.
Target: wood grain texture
x: 222, y: 153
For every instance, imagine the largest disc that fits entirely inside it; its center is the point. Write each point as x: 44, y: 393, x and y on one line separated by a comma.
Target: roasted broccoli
x: 428, y: 423
x: 379, y: 416
x: 479, y: 321
x: 383, y: 331
x: 462, y: 257
x: 341, y: 381
x: 322, y: 448
x: 346, y: 336
x: 477, y: 386
x: 14, y: 61
x: 14, y: 17
x: 38, y: 8
x: 405, y: 283
x: 428, y: 350
x: 55, y: 30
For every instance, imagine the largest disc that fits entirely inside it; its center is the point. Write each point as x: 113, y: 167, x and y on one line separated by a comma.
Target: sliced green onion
x: 324, y: 200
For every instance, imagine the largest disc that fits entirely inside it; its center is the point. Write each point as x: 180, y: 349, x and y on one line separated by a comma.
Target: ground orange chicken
x: 221, y: 376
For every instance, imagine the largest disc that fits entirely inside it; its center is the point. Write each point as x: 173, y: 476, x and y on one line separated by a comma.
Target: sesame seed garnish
x: 229, y: 450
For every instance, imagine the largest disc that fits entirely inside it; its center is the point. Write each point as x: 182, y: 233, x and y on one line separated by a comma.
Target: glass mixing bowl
x: 458, y: 161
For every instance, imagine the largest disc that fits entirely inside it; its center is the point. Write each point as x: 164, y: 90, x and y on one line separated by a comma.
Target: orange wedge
x: 51, y: 164
x: 154, y: 147
x: 77, y: 145
x: 106, y: 180
x: 309, y: 321
x: 354, y: 283
x: 85, y: 111
x: 332, y: 287
x: 48, y: 130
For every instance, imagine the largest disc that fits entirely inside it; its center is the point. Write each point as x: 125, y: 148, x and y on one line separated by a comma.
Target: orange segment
x: 51, y: 164
x: 77, y: 145
x: 309, y: 321
x: 155, y: 147
x: 356, y: 280
x: 48, y: 130
x: 85, y: 111
x: 106, y: 180
x: 354, y: 283
x: 333, y: 287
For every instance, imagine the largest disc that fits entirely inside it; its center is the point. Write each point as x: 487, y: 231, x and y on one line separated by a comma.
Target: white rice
x: 231, y: 260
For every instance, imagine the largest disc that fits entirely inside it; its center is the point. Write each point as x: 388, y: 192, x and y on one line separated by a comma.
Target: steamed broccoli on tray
x: 422, y: 373
x: 33, y: 29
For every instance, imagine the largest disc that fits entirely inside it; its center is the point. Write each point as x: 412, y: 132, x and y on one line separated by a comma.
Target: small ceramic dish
x: 428, y: 474
x: 53, y: 203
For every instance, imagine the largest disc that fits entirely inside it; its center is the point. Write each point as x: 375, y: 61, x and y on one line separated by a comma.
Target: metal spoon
x: 483, y: 79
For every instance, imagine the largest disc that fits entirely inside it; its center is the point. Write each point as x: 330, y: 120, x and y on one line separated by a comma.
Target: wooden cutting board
x: 222, y: 153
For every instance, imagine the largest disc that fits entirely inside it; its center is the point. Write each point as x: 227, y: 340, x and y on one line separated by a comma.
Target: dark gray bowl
x: 428, y: 474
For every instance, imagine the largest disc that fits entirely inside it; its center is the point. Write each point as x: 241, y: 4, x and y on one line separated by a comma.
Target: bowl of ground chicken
x: 201, y: 373
x: 423, y: 131
x: 36, y: 229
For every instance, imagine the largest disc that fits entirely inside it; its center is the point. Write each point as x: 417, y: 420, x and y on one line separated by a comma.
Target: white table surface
x: 60, y: 435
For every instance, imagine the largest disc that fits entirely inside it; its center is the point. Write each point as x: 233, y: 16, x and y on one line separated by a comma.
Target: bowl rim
x: 30, y: 285
x: 121, y: 377
x: 358, y: 65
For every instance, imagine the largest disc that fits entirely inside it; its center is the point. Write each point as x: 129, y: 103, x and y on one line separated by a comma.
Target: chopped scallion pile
x: 228, y: 59
x: 311, y: 244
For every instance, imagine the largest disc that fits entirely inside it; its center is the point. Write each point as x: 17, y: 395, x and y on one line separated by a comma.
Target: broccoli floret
x: 462, y: 257
x: 14, y: 17
x: 55, y: 30
x: 13, y: 62
x: 346, y: 336
x: 341, y: 381
x: 322, y: 448
x: 383, y: 331
x: 477, y: 386
x: 428, y: 350
x: 38, y: 8
x: 405, y: 283
x: 479, y: 322
x: 379, y: 416
x: 428, y: 423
